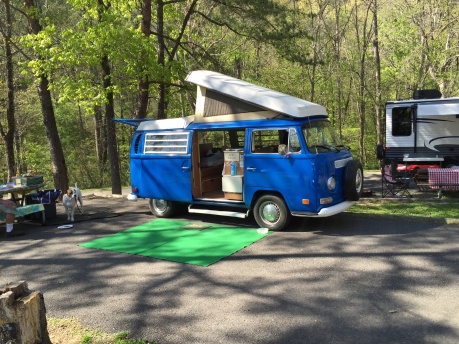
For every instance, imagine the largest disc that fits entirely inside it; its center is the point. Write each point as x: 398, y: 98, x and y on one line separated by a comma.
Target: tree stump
x: 22, y: 315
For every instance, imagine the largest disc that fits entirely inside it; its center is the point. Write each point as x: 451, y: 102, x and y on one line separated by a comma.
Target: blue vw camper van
x: 246, y: 150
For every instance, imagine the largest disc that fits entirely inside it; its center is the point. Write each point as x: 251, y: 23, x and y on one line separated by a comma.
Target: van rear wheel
x: 162, y: 208
x: 271, y: 212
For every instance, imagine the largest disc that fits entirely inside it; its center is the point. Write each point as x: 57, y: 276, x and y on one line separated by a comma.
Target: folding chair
x: 393, y: 183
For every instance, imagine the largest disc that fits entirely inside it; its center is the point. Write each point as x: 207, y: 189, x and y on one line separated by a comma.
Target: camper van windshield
x: 321, y: 137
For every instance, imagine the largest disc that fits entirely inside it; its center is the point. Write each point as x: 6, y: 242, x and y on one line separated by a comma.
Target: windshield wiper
x: 327, y: 147
x: 342, y: 146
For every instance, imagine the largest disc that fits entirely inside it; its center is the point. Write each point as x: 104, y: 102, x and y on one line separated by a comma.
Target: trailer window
x: 401, y: 121
x: 163, y: 143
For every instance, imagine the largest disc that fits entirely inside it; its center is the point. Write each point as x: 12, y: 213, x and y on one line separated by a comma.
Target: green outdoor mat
x: 171, y: 240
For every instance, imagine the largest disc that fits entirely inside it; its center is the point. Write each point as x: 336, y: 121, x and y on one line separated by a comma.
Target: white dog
x: 70, y: 200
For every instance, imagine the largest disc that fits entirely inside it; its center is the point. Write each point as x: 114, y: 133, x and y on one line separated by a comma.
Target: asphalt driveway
x: 344, y: 279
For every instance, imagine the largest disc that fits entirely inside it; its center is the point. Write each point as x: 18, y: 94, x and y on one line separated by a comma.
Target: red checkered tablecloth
x: 444, y: 176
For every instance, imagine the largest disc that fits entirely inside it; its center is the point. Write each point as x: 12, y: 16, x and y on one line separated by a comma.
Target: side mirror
x: 282, y: 149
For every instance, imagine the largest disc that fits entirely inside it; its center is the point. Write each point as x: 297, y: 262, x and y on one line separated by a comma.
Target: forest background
x: 69, y: 67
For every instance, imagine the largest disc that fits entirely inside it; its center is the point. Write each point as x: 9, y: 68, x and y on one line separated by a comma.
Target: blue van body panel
x: 296, y: 178
x: 328, y: 165
x: 161, y: 176
x: 284, y: 175
x: 154, y: 180
x: 299, y: 178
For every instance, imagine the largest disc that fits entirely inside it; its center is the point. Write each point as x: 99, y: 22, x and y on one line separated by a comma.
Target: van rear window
x: 161, y: 143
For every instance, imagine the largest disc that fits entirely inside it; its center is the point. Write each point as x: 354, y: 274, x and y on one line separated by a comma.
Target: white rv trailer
x: 423, y: 131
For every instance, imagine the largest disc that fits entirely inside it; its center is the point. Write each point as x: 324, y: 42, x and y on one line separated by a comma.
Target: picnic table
x: 18, y: 195
x: 443, y: 179
x: 18, y: 192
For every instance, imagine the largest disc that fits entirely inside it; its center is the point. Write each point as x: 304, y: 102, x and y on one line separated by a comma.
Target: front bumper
x: 325, y: 212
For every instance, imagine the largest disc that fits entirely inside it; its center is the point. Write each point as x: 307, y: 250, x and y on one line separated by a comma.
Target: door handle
x: 185, y: 168
x: 251, y: 168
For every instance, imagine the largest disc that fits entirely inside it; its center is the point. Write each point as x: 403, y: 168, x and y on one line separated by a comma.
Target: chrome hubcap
x: 270, y: 212
x: 358, y: 181
x: 160, y: 205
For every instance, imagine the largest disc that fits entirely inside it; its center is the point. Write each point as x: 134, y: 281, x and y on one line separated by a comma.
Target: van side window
x: 164, y: 143
x: 401, y: 121
x: 223, y: 139
x: 268, y: 141
x: 293, y: 141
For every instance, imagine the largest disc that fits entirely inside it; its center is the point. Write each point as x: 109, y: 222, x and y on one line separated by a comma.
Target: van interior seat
x: 204, y: 148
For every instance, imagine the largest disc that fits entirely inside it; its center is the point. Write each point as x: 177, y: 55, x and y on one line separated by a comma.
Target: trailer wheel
x: 271, y: 212
x: 380, y: 153
x: 162, y: 208
x: 353, y: 180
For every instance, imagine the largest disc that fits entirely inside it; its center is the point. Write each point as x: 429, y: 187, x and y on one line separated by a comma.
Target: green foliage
x: 87, y: 338
x: 122, y: 338
x: 309, y: 49
x: 42, y: 46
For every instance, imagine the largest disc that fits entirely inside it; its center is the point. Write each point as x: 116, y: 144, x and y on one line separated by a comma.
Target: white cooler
x: 232, y: 187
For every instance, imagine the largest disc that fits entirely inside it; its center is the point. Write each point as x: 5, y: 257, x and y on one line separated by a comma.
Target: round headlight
x: 331, y: 183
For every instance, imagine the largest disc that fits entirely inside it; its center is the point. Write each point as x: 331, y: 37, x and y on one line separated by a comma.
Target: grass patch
x: 70, y: 331
x: 447, y: 208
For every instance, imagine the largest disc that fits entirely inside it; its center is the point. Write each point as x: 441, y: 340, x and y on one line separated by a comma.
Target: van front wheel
x: 162, y: 208
x: 271, y: 212
x: 353, y: 180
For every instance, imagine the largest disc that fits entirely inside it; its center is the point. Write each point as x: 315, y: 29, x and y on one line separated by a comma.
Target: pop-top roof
x: 265, y: 103
x: 260, y: 96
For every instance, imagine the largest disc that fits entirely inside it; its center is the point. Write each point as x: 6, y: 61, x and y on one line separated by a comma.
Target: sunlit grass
x: 71, y: 331
x: 439, y: 208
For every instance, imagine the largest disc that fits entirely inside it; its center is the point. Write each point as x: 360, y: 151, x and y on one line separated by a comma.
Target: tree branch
x: 172, y: 2
x: 183, y: 28
x: 221, y: 24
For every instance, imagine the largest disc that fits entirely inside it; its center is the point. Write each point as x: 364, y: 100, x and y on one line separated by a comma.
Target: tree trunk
x: 363, y: 41
x: 101, y: 141
x: 337, y: 60
x: 59, y: 166
x: 144, y: 84
x: 8, y: 136
x: 362, y: 109
x: 112, y: 146
x: 100, y: 137
x: 111, y: 130
x: 378, y: 105
x: 161, y: 58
